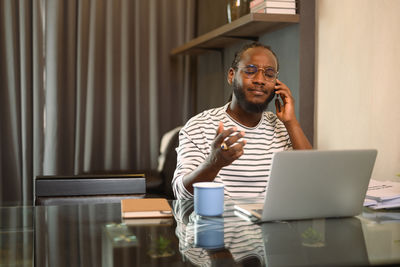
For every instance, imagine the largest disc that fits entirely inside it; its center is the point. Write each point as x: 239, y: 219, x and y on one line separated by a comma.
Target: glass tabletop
x: 95, y: 235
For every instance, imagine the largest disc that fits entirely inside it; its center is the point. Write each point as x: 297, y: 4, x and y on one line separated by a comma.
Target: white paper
x: 369, y: 202
x: 387, y: 204
x: 383, y: 190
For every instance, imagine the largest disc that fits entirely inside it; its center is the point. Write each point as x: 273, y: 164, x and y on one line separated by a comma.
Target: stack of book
x: 383, y: 195
x: 273, y: 6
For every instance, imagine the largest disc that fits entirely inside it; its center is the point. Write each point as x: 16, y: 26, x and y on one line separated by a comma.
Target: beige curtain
x: 88, y: 86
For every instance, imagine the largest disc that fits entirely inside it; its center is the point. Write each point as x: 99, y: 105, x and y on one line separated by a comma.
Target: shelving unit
x: 250, y: 26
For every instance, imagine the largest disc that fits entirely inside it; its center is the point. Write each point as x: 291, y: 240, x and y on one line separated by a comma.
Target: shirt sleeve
x: 189, y: 157
x: 281, y: 127
x: 288, y: 143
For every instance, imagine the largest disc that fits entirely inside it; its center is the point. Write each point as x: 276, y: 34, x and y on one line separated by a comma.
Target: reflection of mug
x: 208, y: 198
x: 209, y: 232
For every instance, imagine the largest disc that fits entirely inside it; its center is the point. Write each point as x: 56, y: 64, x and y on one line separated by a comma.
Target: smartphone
x: 277, y: 99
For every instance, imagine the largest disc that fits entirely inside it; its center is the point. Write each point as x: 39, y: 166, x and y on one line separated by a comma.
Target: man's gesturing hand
x: 232, y: 149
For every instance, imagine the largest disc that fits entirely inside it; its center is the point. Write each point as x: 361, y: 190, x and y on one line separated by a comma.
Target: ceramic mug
x: 208, y: 198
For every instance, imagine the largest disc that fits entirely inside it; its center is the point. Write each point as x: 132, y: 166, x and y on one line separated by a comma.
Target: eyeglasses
x: 269, y: 73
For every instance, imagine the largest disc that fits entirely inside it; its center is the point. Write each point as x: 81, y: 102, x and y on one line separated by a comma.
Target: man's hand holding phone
x: 284, y: 110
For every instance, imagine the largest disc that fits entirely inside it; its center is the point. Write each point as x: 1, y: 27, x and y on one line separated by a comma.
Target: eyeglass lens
x: 251, y: 71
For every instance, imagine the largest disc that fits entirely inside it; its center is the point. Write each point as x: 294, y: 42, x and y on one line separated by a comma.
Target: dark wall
x: 211, y: 15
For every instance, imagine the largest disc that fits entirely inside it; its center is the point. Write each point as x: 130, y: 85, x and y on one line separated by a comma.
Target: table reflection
x: 95, y: 235
x: 218, y: 241
x: 16, y: 236
x: 318, y: 242
x: 315, y: 243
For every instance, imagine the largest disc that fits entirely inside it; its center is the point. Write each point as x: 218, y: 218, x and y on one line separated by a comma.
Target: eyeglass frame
x: 258, y: 69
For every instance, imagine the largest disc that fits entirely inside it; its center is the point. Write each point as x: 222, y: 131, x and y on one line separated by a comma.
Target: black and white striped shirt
x: 246, y: 176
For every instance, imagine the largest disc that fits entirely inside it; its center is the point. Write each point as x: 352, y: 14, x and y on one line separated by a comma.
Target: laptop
x: 308, y: 184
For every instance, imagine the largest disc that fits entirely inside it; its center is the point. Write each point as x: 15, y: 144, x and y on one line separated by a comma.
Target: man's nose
x: 259, y: 77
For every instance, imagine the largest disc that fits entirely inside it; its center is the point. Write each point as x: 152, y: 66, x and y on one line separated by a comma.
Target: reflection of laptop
x: 308, y: 184
x: 331, y: 242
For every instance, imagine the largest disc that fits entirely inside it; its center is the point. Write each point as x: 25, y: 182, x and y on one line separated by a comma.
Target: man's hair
x: 238, y: 54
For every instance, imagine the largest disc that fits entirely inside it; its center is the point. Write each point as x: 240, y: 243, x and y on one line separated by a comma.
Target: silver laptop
x: 307, y: 184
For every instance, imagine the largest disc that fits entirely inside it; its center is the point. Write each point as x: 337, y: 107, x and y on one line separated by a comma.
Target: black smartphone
x: 277, y: 99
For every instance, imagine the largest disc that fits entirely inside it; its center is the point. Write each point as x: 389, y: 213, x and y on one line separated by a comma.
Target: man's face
x: 254, y: 94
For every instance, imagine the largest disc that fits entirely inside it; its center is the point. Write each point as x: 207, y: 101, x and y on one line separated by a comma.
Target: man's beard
x: 246, y: 105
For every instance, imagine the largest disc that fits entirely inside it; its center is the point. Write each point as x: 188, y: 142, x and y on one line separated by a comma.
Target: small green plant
x: 311, y: 237
x: 161, y: 248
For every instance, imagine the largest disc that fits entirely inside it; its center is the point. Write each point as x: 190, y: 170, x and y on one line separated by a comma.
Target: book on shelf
x: 288, y: 11
x: 253, y: 3
x: 383, y: 195
x: 276, y: 4
x: 145, y: 208
x: 273, y: 7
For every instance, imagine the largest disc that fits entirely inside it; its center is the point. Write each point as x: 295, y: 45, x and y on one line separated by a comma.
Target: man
x: 239, y: 154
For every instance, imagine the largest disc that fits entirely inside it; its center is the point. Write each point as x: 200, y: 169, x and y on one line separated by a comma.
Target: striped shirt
x: 245, y: 177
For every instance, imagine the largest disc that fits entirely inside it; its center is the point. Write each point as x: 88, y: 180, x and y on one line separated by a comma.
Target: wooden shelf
x: 250, y: 26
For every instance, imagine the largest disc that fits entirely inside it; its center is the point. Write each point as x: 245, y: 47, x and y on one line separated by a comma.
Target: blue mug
x: 208, y: 198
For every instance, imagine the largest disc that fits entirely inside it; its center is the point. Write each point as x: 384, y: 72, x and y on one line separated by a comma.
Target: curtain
x: 88, y: 86
x: 21, y: 94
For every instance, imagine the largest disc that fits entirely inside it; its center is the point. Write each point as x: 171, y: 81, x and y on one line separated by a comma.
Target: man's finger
x: 236, y: 150
x: 221, y: 136
x: 220, y: 128
x: 234, y: 138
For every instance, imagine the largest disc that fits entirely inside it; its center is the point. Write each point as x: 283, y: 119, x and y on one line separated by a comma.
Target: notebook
x: 307, y: 184
x: 145, y: 208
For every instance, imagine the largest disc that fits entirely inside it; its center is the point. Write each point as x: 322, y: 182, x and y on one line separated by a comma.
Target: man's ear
x: 231, y: 76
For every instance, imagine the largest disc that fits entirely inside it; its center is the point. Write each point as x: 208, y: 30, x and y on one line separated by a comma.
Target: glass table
x: 95, y: 235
